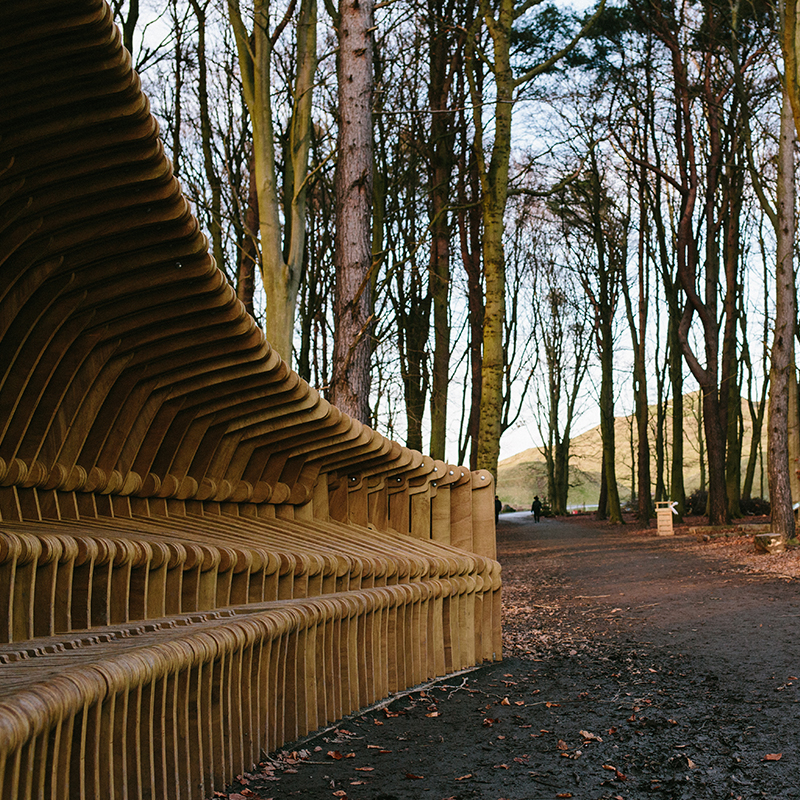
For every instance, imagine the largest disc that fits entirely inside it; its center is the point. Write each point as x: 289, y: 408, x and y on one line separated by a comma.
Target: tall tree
x: 597, y: 232
x: 637, y: 324
x: 500, y: 19
x: 353, y: 186
x: 560, y: 314
x: 281, y: 211
x: 782, y: 364
x: 445, y: 58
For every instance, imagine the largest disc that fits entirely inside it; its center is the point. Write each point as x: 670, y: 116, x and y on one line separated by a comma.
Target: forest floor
x: 635, y: 666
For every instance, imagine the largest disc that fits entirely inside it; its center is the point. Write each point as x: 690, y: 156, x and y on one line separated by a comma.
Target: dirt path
x: 635, y: 667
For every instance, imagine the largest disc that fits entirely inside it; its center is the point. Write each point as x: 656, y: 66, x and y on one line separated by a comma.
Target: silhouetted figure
x: 536, y: 508
x: 497, y: 506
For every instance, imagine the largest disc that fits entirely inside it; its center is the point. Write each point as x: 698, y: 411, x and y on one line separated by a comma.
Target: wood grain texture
x: 200, y: 558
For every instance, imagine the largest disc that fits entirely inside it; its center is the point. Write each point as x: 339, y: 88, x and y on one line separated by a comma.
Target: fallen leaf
x: 590, y: 737
x: 433, y: 714
x: 500, y: 766
x: 412, y: 777
x: 553, y: 705
x: 672, y: 721
x: 772, y: 757
x: 236, y: 796
x: 335, y: 754
x: 464, y: 777
x: 609, y: 768
x: 505, y: 702
x: 691, y: 763
x: 391, y: 713
x: 358, y: 783
x: 564, y: 794
x: 377, y: 722
x: 519, y: 702
x: 340, y: 793
x: 248, y: 793
x: 488, y: 722
x: 383, y: 752
x: 562, y: 745
x: 365, y: 769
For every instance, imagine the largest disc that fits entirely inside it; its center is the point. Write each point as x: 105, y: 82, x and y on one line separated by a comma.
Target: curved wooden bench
x: 201, y: 559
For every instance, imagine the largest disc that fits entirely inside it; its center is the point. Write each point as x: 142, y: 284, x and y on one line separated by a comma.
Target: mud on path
x: 635, y: 667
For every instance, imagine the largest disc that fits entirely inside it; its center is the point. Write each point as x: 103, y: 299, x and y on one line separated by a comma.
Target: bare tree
x: 281, y: 211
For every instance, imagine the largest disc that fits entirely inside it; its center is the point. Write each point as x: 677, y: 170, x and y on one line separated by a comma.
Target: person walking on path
x: 497, y: 506
x: 536, y: 508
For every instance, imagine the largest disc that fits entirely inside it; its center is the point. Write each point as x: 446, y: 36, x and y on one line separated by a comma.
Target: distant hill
x: 522, y: 476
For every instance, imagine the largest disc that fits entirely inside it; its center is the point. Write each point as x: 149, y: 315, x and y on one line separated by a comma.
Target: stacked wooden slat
x: 201, y: 559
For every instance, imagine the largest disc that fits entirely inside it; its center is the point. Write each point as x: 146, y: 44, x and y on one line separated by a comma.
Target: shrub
x: 697, y: 503
x: 754, y: 506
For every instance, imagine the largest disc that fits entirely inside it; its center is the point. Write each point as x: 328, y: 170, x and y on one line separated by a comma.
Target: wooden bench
x: 201, y: 559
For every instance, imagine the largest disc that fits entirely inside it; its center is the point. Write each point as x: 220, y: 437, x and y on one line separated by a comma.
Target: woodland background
x: 636, y: 225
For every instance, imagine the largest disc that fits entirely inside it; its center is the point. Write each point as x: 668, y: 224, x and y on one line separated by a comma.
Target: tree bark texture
x: 494, y: 190
x: 353, y: 192
x: 780, y: 490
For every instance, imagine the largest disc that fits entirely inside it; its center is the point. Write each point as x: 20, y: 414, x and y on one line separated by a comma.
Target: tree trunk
x: 353, y: 191
x: 715, y: 447
x: 729, y: 378
x: 602, y: 501
x: 442, y: 159
x: 212, y: 177
x: 281, y: 226
x: 644, y: 499
x: 248, y: 257
x: 780, y: 491
x: 607, y: 426
x: 677, y: 490
x: 469, y: 229
x: 494, y: 189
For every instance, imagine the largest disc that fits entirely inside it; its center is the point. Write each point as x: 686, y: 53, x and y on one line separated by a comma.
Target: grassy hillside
x: 523, y: 475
